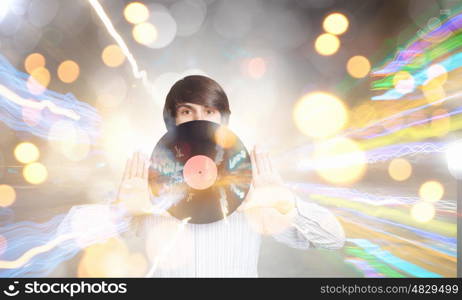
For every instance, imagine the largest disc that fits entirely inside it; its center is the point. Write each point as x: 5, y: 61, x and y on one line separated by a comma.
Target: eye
x: 210, y: 111
x: 185, y: 112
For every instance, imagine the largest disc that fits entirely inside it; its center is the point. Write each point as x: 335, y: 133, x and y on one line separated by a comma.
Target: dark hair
x: 195, y: 89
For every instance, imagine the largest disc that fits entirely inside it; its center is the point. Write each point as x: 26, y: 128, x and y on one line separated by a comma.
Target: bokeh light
x: 320, y: 115
x: 34, y: 61
x: 68, y: 71
x: 35, y: 173
x: 77, y: 146
x: 433, y: 90
x: 42, y: 12
x: 431, y: 191
x: 27, y: 37
x: 189, y: 16
x: 138, y: 265
x: 224, y: 137
x: 358, y: 66
x: 107, y: 259
x: 399, y: 169
x: 108, y: 100
x: 145, y: 33
x: 113, y: 56
x: 256, y: 67
x: 437, y: 73
x: 454, y: 159
x: 403, y: 82
x: 335, y: 23
x: 26, y: 152
x: 7, y: 195
x: 112, y: 92
x: 162, y: 85
x: 327, y: 44
x: 38, y: 80
x: 423, y: 211
x: 164, y: 24
x: 94, y: 222
x: 72, y: 142
x: 362, y: 114
x: 232, y: 19
x: 339, y: 161
x: 136, y: 13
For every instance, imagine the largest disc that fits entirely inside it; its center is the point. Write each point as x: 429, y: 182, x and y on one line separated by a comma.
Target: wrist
x: 287, y: 207
x: 120, y: 210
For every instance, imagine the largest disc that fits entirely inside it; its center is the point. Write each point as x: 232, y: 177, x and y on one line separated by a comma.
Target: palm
x: 268, y: 190
x: 134, y: 193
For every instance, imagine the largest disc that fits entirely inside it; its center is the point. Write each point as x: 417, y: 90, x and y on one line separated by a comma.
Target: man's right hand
x: 134, y: 193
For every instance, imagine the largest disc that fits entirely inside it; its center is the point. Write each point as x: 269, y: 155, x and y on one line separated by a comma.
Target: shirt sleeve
x: 312, y: 226
x: 132, y: 223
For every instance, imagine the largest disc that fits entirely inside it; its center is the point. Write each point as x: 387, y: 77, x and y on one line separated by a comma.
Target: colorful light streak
x: 44, y: 246
x: 401, y: 244
x: 369, y: 264
x: 444, y: 228
x: 352, y: 194
x: 53, y: 107
x: 420, y: 78
x: 413, y: 54
x: 393, y: 260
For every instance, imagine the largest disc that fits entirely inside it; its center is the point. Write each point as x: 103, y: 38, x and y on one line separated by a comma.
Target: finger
x: 134, y: 165
x: 147, y: 164
x: 268, y: 162
x: 259, y: 197
x: 254, y: 164
x: 260, y: 157
x: 140, y: 166
x: 274, y: 172
x: 126, y: 173
x: 256, y: 203
x: 247, y: 198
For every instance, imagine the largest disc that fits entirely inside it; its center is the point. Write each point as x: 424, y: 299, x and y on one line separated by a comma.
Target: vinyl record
x: 200, y: 170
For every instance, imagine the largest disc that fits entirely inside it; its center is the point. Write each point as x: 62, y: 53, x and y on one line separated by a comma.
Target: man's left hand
x: 267, y: 190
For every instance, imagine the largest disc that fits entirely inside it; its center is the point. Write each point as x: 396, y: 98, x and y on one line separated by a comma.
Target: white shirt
x: 231, y: 247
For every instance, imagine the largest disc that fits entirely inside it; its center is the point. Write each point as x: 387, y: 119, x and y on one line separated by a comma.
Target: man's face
x: 186, y: 112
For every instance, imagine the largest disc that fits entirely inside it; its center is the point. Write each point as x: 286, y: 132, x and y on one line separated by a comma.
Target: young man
x: 226, y: 248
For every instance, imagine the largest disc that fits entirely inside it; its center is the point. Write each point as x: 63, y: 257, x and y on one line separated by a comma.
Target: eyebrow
x: 178, y: 106
x: 184, y: 105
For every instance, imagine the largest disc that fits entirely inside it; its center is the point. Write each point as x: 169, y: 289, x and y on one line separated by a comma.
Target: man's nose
x: 198, y: 116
